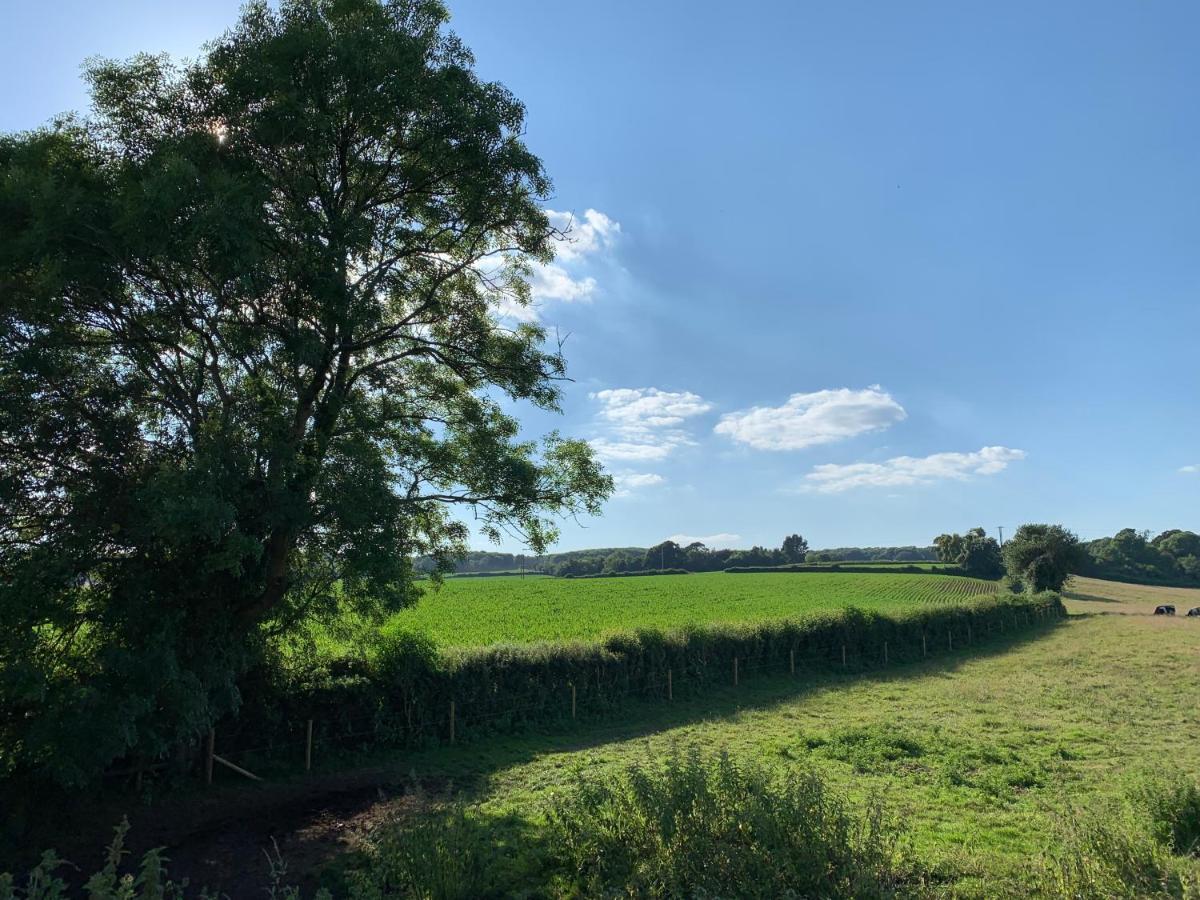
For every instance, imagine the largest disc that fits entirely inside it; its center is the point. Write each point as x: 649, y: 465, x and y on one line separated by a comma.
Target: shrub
x: 1172, y: 804
x: 688, y: 826
x: 697, y: 826
x: 149, y: 882
x: 451, y: 855
x: 1137, y: 848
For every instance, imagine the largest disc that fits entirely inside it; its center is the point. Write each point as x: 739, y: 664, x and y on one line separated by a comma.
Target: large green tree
x: 1043, y: 557
x: 975, y: 552
x: 251, y: 363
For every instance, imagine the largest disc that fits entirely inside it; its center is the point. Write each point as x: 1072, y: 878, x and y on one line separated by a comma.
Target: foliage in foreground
x: 690, y: 825
x: 699, y: 825
x: 1143, y: 846
x: 714, y: 827
x: 252, y: 351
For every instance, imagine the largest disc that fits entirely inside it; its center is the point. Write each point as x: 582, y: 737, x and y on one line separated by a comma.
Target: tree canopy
x: 1172, y: 557
x: 1043, y: 557
x: 975, y: 552
x: 252, y: 360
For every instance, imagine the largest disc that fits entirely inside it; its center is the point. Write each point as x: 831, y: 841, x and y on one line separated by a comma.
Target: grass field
x: 482, y: 611
x: 986, y: 756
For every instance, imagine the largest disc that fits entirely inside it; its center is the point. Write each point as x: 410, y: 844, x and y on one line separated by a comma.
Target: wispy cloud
x: 588, y: 235
x: 644, y: 424
x: 805, y: 420
x: 1189, y: 469
x: 909, y: 470
x: 644, y: 408
x: 716, y: 541
x: 628, y: 482
x: 585, y: 240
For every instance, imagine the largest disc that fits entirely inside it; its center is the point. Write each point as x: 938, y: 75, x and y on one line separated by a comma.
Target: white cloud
x: 716, y: 541
x: 909, y: 470
x: 628, y: 482
x: 1189, y: 469
x: 649, y: 407
x: 806, y: 420
x: 644, y: 424
x: 566, y: 279
x: 592, y: 234
x: 553, y: 283
x: 650, y: 450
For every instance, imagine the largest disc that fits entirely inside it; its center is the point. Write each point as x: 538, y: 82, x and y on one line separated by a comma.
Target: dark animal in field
x: 1165, y: 611
x: 1194, y: 611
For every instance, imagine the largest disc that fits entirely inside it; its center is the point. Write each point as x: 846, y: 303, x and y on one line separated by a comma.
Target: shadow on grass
x: 1088, y: 598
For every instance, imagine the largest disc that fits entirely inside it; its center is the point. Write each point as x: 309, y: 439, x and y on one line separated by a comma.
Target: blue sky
x: 869, y: 272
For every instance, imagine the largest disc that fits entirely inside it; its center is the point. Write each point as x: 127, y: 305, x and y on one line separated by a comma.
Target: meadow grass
x: 472, y: 612
x: 989, y: 757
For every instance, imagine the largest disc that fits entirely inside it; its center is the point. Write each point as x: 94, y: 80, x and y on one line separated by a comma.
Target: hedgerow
x: 400, y: 690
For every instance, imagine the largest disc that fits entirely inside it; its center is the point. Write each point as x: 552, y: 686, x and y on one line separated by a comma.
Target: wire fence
x: 301, y: 745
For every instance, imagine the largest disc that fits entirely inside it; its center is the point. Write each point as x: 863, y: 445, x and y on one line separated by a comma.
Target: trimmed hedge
x: 632, y: 574
x: 840, y: 567
x: 401, y: 693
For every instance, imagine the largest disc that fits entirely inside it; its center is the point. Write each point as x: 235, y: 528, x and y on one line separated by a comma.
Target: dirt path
x: 225, y: 841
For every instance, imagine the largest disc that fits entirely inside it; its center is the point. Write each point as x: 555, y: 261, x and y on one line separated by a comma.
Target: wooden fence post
x: 885, y: 653
x: 924, y: 647
x: 968, y: 632
x: 572, y: 699
x: 735, y: 672
x: 670, y: 687
x: 452, y: 721
x: 792, y: 660
x: 208, y: 757
x: 308, y: 748
x: 950, y: 638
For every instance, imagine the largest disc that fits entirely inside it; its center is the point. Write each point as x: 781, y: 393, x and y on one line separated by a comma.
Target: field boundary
x: 407, y: 699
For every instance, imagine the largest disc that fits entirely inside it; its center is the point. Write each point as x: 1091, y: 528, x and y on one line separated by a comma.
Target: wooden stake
x: 885, y: 653
x: 924, y: 648
x: 208, y: 757
x: 223, y: 761
x: 735, y: 672
x: 452, y: 721
x: 792, y: 660
x: 572, y: 699
x: 670, y: 687
x: 308, y: 748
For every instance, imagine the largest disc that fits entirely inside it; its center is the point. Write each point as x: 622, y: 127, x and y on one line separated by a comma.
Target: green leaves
x: 251, y: 352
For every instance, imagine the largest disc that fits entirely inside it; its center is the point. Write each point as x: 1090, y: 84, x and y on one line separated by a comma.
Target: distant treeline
x: 695, y: 557
x: 1170, y: 558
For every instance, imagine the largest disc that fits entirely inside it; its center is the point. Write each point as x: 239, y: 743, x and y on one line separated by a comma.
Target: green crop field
x: 482, y: 611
